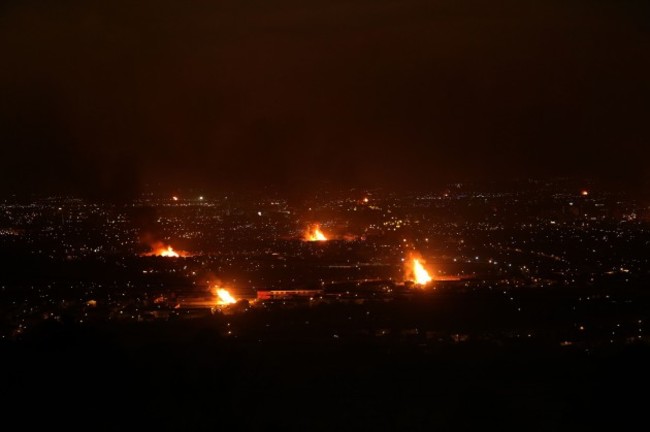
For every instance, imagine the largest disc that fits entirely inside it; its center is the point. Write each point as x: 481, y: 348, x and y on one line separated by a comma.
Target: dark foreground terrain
x: 187, y: 375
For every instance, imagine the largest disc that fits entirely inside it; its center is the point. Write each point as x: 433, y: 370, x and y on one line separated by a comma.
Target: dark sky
x: 102, y: 98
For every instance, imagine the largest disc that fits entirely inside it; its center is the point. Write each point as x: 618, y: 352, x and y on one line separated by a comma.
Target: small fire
x: 314, y: 233
x: 224, y: 297
x: 416, y: 272
x: 584, y: 192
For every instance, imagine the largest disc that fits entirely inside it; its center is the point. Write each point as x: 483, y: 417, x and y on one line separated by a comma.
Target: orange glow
x: 175, y: 198
x: 224, y: 297
x: 314, y: 233
x: 584, y: 192
x: 416, y: 273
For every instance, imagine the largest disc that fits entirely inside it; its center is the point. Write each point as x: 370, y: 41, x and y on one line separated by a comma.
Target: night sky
x: 105, y: 98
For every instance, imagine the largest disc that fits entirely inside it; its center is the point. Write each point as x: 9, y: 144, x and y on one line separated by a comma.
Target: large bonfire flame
x: 224, y: 297
x: 169, y: 253
x: 314, y: 233
x: 166, y: 251
x: 416, y: 272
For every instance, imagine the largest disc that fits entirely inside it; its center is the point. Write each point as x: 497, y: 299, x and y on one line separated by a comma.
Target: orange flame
x: 314, y: 233
x: 161, y: 250
x: 169, y: 252
x: 224, y: 297
x: 416, y: 272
